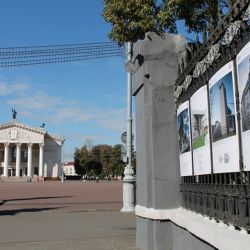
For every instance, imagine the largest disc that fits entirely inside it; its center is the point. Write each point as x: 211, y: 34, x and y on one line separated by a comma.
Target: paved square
x: 68, y: 215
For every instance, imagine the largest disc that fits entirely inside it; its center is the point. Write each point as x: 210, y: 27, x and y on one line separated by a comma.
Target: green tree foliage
x: 117, y: 164
x: 101, y: 160
x: 131, y: 19
x: 81, y: 157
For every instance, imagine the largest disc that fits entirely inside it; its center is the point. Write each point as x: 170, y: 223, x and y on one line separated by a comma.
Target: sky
x: 81, y: 100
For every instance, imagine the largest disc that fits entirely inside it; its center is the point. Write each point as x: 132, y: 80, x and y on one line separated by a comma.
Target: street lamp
x: 129, y: 179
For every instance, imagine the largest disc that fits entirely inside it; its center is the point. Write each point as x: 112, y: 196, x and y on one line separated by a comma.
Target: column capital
x: 30, y: 145
x: 41, y: 145
x: 18, y: 144
x: 6, y: 144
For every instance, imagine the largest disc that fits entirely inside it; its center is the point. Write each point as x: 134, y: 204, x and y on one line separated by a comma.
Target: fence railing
x: 223, y: 197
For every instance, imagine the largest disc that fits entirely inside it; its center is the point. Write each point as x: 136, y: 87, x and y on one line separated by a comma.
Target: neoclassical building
x: 28, y: 151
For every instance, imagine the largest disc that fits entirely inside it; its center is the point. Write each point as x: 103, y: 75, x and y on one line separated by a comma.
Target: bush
x: 52, y: 178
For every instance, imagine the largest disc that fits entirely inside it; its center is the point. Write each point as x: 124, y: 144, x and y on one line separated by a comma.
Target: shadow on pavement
x: 37, y: 198
x: 25, y: 210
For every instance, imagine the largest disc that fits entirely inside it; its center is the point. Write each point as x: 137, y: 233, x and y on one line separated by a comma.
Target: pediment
x: 15, y: 132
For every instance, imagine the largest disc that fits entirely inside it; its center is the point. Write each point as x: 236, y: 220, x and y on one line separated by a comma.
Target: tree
x: 117, y: 164
x: 105, y: 159
x: 94, y: 168
x: 102, y: 160
x: 131, y: 19
x: 81, y: 158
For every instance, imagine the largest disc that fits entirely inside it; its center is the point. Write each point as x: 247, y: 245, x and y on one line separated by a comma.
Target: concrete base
x: 165, y: 235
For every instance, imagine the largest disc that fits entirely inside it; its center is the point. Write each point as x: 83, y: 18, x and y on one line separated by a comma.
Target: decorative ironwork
x: 213, y: 54
x: 246, y: 15
x: 204, y: 55
x: 187, y: 82
x: 225, y: 197
x: 231, y: 32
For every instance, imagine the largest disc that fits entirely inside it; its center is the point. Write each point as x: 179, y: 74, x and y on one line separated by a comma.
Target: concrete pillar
x: 154, y: 67
x: 29, y: 173
x: 41, y: 147
x: 6, y: 159
x: 18, y: 158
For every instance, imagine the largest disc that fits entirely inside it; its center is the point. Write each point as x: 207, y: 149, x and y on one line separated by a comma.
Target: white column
x: 29, y: 174
x: 62, y: 160
x: 41, y: 145
x: 6, y: 159
x: 18, y: 158
x: 129, y: 179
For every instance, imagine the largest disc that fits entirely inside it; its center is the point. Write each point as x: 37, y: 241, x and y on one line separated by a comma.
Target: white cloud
x: 7, y: 89
x: 73, y: 114
x: 112, y: 119
x: 36, y: 104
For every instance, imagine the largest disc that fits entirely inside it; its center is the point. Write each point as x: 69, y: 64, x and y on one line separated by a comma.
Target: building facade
x: 69, y: 169
x: 27, y: 151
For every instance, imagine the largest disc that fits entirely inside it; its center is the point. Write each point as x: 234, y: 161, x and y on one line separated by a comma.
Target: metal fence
x: 224, y: 197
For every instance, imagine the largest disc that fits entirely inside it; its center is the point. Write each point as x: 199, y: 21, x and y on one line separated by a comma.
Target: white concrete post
x: 62, y: 161
x: 6, y: 159
x: 18, y: 158
x: 129, y: 179
x: 29, y: 174
x: 41, y: 146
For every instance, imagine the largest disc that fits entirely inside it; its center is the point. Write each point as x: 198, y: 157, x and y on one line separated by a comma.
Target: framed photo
x: 243, y: 75
x: 225, y: 145
x: 184, y: 140
x: 200, y: 132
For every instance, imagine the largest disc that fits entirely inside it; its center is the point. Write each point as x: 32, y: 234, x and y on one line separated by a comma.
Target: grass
x: 199, y: 142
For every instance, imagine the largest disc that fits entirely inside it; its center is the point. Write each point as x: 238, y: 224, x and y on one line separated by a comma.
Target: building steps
x: 18, y: 179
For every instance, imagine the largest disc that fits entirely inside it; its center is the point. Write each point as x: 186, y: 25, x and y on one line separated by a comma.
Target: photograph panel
x: 183, y: 125
x: 225, y: 145
x: 222, y: 108
x: 243, y: 74
x: 183, y: 131
x: 200, y: 132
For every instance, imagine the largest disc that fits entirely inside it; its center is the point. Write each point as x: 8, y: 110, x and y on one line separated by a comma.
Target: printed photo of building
x: 199, y: 128
x: 245, y: 104
x: 183, y: 131
x: 222, y: 108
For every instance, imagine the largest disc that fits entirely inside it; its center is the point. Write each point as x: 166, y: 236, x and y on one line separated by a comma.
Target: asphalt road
x: 68, y: 215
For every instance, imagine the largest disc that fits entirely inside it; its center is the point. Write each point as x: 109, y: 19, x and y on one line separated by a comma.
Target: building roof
x: 15, y: 123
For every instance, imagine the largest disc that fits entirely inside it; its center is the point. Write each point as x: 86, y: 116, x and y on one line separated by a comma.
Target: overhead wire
x: 48, y: 54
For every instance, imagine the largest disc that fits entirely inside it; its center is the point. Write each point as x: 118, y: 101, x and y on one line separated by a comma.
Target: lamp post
x: 129, y: 179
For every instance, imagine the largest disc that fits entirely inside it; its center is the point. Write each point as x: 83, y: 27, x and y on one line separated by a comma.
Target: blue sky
x: 79, y: 100
x: 83, y: 100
